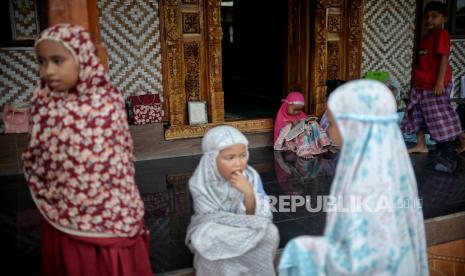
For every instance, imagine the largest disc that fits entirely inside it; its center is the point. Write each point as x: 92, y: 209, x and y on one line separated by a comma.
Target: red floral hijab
x: 79, y: 161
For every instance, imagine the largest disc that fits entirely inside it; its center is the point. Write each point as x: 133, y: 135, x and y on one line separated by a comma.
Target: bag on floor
x: 16, y: 118
x: 146, y: 109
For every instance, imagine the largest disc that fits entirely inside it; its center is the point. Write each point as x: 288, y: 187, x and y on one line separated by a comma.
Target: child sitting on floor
x: 231, y: 231
x: 311, y: 141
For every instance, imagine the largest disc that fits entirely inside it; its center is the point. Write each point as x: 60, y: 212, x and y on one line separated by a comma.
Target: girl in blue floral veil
x: 384, y: 236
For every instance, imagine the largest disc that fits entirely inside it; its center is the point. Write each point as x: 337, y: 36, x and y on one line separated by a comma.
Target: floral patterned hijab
x: 79, y: 162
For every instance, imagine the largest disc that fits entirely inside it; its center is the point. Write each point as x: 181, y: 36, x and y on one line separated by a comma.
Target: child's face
x: 231, y: 160
x: 434, y: 20
x: 57, y: 66
x: 294, y: 109
x: 333, y: 130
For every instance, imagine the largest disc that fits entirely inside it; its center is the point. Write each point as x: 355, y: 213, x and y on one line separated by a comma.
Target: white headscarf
x: 207, y: 183
x: 220, y: 215
x: 374, y: 164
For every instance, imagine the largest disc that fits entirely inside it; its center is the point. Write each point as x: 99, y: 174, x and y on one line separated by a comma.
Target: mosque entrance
x: 242, y: 57
x: 253, y: 57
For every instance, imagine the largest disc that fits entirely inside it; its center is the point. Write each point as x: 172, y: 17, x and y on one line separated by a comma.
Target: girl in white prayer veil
x: 384, y: 235
x: 231, y: 231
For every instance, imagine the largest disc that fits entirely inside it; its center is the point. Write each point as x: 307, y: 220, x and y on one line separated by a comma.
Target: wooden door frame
x: 313, y: 72
x: 335, y: 60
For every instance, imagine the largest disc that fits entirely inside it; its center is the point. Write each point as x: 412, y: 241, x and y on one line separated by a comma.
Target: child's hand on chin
x: 239, y: 181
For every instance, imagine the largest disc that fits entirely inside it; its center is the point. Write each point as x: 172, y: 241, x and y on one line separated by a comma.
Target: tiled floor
x: 163, y: 187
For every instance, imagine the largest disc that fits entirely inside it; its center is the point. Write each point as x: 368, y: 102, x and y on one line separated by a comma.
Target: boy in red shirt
x: 429, y: 107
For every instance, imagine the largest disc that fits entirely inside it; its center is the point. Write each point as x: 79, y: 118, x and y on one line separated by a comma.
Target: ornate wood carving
x: 319, y: 66
x: 337, y: 48
x: 172, y: 66
x: 354, y: 59
x: 190, y: 23
x: 320, y: 44
x: 334, y: 23
x: 215, y: 87
x: 251, y: 126
x: 333, y: 60
x: 192, y: 63
x: 182, y: 42
x: 192, y: 58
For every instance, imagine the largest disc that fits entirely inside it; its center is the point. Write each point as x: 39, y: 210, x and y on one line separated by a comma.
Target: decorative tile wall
x: 388, y: 38
x: 26, y: 25
x: 457, y: 61
x: 18, y: 66
x: 131, y: 32
x: 18, y: 74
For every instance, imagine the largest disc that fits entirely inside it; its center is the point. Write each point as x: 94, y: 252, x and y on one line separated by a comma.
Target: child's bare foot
x: 418, y: 149
x: 307, y: 156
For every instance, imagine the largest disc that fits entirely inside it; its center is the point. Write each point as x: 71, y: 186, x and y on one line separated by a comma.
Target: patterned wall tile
x: 388, y: 38
x: 457, y: 61
x: 18, y: 75
x: 130, y: 30
x: 25, y: 19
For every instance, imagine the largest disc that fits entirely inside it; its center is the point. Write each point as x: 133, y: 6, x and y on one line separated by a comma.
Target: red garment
x: 79, y: 161
x: 433, y: 45
x: 64, y: 254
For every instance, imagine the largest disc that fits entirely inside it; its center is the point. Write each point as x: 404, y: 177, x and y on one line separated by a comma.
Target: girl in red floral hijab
x: 79, y: 164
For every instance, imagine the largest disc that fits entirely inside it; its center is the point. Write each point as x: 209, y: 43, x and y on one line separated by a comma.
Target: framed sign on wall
x: 197, y: 112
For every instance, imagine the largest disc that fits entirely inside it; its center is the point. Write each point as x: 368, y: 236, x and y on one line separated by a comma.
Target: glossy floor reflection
x: 163, y: 185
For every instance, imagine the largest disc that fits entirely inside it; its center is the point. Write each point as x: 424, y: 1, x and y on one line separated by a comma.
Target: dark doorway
x: 253, y: 57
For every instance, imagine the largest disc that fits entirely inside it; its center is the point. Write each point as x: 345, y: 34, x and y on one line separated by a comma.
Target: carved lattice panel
x: 192, y: 64
x: 337, y: 49
x: 333, y: 60
x: 190, y: 23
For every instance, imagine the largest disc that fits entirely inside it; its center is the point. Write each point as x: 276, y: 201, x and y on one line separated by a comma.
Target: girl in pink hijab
x: 312, y: 141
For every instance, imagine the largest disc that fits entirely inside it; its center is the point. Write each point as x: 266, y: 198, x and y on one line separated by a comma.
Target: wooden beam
x: 247, y: 126
x: 84, y: 13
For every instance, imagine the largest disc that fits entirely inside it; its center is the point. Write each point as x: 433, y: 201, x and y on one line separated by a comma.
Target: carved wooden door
x: 324, y: 42
x: 191, y: 36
